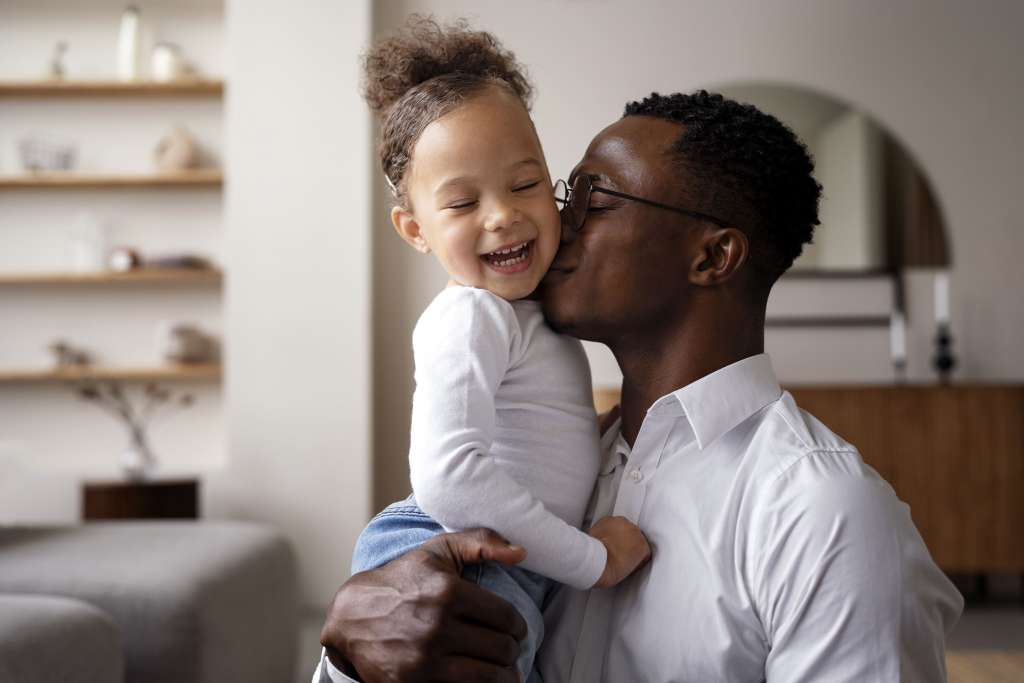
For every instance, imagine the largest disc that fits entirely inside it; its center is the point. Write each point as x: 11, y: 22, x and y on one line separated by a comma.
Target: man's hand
x: 416, y: 619
x: 627, y: 548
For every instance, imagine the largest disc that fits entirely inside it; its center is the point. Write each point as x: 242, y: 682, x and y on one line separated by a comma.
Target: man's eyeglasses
x: 576, y: 199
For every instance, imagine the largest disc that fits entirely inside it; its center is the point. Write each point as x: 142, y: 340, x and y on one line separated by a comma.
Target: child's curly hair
x: 425, y: 71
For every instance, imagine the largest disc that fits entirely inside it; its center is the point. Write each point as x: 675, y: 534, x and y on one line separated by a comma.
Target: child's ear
x: 409, y: 229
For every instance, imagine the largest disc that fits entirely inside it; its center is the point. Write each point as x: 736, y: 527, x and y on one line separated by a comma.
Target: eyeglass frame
x: 571, y: 190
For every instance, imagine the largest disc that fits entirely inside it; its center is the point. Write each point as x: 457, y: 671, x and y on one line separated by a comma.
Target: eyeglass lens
x: 574, y: 200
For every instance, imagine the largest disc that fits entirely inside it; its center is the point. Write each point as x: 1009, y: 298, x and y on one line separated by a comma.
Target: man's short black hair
x: 749, y: 167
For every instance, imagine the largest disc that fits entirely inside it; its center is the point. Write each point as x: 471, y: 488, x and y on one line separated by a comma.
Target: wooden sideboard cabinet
x: 954, y: 454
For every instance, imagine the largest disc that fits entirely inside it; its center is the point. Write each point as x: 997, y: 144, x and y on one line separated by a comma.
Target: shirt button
x: 636, y: 475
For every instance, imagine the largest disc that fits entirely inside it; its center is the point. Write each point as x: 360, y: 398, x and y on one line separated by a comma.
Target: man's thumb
x: 479, y: 545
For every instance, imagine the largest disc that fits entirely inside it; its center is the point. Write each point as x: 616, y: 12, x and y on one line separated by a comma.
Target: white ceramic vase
x: 137, y: 460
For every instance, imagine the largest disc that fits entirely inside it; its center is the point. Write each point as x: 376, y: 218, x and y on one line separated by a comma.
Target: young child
x: 504, y: 433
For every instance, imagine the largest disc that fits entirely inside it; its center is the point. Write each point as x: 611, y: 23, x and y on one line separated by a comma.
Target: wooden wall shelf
x: 143, y: 276
x: 197, y: 178
x: 198, y: 371
x: 838, y: 274
x: 824, y: 322
x: 10, y: 89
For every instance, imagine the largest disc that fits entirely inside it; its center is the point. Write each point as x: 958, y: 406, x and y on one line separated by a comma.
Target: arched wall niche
x: 879, y: 210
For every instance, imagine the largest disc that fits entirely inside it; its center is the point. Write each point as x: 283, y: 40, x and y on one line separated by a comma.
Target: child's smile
x: 510, y: 260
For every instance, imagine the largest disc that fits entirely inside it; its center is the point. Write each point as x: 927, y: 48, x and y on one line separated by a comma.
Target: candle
x: 898, y: 337
x: 942, y: 297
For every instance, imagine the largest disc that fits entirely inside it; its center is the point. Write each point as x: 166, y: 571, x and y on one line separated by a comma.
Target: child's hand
x: 627, y: 548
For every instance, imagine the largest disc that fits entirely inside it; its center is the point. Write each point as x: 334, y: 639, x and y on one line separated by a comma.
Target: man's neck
x: 657, y: 363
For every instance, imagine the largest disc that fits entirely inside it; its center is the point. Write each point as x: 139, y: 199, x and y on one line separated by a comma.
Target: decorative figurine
x: 944, y: 360
x: 129, y: 46
x: 898, y: 345
x: 124, y: 259
x: 167, y: 63
x: 86, y: 244
x: 67, y: 356
x: 176, y: 151
x: 183, y: 343
x: 57, y: 70
x: 41, y: 154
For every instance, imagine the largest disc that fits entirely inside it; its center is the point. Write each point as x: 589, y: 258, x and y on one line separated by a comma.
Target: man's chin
x: 554, y: 310
x: 561, y: 305
x: 561, y: 317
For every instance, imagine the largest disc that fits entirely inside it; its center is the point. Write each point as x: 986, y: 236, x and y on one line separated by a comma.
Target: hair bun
x: 424, y: 49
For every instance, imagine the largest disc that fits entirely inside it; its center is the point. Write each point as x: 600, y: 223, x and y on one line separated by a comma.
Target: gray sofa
x: 189, y: 602
x: 48, y: 638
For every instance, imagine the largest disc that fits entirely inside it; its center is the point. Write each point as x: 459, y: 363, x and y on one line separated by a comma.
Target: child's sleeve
x: 464, y: 344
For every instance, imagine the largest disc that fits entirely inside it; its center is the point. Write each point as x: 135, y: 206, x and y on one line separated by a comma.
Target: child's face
x: 479, y: 185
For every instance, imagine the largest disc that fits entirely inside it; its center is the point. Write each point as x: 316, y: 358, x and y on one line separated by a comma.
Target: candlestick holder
x: 899, y: 370
x: 944, y: 360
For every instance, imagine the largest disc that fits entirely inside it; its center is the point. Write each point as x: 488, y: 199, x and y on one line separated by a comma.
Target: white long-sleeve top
x: 504, y: 433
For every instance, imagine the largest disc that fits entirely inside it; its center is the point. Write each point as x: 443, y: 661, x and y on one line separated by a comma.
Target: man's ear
x: 720, y: 256
x: 409, y: 229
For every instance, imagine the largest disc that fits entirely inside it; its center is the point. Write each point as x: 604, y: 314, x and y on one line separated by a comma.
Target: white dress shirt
x: 778, y: 555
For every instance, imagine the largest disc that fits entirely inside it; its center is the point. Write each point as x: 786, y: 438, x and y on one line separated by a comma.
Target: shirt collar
x: 614, y: 449
x: 716, y: 403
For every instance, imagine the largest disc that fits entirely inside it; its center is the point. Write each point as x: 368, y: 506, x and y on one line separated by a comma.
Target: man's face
x: 626, y: 269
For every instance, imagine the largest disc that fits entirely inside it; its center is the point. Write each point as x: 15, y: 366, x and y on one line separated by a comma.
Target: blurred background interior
x: 194, y: 240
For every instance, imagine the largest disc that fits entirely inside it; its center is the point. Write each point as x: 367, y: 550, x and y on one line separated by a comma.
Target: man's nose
x: 568, y: 226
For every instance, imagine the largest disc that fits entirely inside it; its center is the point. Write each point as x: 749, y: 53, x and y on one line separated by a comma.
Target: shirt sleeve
x: 464, y: 344
x: 847, y: 589
x: 328, y: 673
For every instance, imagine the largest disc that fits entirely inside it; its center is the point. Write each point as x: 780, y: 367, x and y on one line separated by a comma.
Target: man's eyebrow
x: 594, y: 177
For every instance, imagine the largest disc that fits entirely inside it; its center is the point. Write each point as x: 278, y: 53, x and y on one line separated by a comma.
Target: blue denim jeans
x: 402, y: 526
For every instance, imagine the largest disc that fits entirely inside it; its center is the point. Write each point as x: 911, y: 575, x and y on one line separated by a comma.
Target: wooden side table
x: 166, y: 499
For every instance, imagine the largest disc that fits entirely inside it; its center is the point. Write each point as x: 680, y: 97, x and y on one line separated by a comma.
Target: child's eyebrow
x: 451, y: 182
x: 530, y: 161
x: 459, y: 180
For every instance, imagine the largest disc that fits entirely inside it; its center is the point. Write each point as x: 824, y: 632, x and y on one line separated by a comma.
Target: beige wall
x: 298, y: 291
x: 940, y: 75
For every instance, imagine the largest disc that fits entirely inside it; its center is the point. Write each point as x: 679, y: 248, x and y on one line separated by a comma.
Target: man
x: 778, y: 555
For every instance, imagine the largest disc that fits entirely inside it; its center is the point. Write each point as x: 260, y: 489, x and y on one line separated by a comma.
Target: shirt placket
x: 628, y: 491
x: 588, y: 659
x: 641, y: 464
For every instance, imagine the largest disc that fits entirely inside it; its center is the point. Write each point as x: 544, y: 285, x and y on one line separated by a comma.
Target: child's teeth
x: 509, y: 250
x: 520, y: 255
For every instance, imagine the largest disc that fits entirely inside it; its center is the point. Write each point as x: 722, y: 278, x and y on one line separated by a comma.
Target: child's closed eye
x: 526, y: 186
x: 461, y: 204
